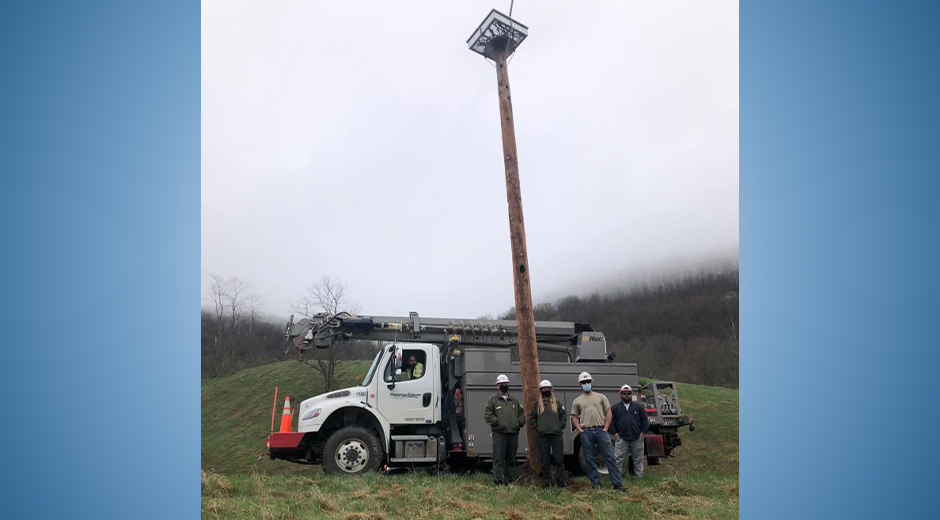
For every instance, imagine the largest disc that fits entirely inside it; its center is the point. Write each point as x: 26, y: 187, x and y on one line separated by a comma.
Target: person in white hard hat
x: 548, y: 419
x: 590, y: 416
x: 505, y: 416
x: 629, y: 422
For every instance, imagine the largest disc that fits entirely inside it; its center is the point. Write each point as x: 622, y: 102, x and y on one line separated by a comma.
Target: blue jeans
x: 600, y: 439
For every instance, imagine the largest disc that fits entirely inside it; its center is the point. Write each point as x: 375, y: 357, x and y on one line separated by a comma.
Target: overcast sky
x: 361, y: 140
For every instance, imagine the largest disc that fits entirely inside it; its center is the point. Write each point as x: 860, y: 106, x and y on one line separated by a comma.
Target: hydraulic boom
x: 579, y: 341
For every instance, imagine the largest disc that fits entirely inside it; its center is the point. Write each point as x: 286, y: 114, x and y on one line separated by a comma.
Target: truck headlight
x: 312, y: 414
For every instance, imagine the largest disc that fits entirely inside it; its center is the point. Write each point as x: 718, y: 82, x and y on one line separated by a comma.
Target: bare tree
x: 305, y: 306
x: 235, y: 296
x: 254, y: 305
x: 730, y: 304
x: 329, y: 295
x: 217, y: 293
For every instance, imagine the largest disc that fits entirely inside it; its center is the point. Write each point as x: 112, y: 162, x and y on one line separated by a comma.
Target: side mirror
x: 396, y: 365
x: 397, y: 353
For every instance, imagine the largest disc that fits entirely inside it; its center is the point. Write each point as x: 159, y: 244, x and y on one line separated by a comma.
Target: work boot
x: 620, y: 489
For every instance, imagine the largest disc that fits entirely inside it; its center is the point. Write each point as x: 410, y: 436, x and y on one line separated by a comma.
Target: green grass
x: 236, y: 413
x: 700, y: 481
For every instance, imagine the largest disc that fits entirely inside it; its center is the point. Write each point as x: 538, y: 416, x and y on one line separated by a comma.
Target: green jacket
x: 504, y: 416
x: 548, y: 423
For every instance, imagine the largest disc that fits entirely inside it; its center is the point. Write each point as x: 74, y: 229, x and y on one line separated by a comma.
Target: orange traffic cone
x: 286, y: 416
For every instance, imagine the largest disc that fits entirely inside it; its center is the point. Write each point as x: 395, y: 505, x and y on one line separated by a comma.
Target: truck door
x: 408, y: 398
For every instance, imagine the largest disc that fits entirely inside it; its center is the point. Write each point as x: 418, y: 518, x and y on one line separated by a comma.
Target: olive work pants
x: 504, y: 457
x: 551, y: 453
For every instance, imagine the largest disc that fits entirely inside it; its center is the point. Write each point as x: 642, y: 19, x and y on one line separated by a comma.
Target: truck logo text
x: 399, y: 395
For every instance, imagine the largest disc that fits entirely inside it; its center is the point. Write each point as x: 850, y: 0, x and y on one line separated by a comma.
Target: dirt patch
x: 578, y: 486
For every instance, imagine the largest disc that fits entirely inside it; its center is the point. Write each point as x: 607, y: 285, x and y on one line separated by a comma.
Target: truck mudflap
x: 284, y: 441
x: 654, y: 446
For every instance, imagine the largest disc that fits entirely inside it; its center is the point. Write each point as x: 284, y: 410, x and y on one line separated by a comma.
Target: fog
x: 361, y: 140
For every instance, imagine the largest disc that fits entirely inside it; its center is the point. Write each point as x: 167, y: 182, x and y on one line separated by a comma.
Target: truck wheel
x: 352, y: 451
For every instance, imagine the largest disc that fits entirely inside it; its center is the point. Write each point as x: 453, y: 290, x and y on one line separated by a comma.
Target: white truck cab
x: 388, y: 391
x: 393, y: 395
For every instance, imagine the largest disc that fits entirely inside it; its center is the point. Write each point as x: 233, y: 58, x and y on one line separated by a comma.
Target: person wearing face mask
x: 629, y: 423
x: 590, y: 416
x: 504, y: 414
x: 548, y: 420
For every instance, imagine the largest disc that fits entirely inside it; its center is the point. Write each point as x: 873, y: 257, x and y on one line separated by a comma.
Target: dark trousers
x: 504, y: 457
x: 551, y: 453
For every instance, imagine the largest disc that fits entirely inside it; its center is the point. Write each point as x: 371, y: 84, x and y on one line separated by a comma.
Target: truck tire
x: 352, y: 451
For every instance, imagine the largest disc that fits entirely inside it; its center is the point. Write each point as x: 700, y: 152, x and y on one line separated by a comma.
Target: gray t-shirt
x: 591, y: 409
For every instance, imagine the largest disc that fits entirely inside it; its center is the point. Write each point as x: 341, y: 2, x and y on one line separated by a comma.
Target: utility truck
x: 432, y: 415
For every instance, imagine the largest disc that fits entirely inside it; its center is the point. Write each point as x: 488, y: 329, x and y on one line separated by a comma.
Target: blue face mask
x: 586, y: 387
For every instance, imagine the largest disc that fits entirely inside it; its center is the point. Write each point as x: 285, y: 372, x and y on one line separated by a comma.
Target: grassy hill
x: 700, y: 481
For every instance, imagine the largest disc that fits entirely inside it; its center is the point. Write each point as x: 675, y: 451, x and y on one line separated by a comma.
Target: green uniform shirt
x: 549, y: 422
x: 504, y: 415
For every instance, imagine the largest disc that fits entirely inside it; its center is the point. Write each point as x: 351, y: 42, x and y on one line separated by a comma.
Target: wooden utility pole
x: 525, y: 318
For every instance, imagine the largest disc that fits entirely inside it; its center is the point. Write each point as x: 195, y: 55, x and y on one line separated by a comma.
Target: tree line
x: 682, y: 328
x: 236, y: 335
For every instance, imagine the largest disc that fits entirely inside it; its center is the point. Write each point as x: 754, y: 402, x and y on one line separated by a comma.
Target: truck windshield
x: 375, y: 365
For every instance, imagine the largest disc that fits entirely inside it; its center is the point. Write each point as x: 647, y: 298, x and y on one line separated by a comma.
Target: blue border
x: 100, y: 220
x: 101, y: 223
x: 839, y: 236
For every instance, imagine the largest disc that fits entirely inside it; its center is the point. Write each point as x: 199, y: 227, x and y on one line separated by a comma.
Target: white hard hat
x: 626, y: 387
x: 502, y: 379
x: 584, y: 377
x: 545, y: 384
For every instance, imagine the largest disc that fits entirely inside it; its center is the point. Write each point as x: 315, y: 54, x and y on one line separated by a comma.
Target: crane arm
x: 323, y: 330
